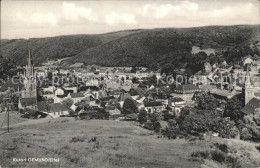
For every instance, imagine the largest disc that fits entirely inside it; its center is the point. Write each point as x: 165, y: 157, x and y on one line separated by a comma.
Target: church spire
x: 30, y: 65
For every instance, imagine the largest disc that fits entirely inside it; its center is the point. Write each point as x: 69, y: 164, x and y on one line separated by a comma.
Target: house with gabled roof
x: 59, y: 109
x: 112, y: 110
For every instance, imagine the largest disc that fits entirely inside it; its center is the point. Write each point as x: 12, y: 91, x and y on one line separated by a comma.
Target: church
x: 252, y: 95
x: 28, y: 94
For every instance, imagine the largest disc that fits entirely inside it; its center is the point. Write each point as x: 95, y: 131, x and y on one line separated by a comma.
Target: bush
x: 222, y: 147
x: 171, y: 131
x: 201, y: 154
x: 76, y: 139
x: 258, y: 148
x: 245, y: 134
x: 218, y: 156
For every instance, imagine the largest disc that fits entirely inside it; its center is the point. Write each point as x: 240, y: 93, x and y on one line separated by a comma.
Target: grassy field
x: 14, y: 118
x: 105, y: 144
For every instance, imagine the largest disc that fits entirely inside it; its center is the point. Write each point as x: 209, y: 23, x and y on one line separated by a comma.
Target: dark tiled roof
x: 58, y: 107
x: 43, y: 106
x: 110, y: 108
x: 186, y: 88
x: 177, y: 99
x: 152, y: 104
x: 28, y: 101
x: 107, y: 98
x: 250, y: 107
x: 257, y: 94
x: 76, y: 95
x: 254, y: 102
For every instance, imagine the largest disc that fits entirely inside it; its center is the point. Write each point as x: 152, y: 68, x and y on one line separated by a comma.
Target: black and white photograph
x: 130, y: 84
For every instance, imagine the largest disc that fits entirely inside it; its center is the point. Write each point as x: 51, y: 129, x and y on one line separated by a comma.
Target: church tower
x: 248, y: 87
x: 29, y: 82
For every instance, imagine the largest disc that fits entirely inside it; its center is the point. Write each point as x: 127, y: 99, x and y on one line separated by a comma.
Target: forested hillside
x: 150, y: 48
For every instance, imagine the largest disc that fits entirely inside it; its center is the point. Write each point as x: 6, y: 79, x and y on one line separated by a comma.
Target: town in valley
x: 141, y: 84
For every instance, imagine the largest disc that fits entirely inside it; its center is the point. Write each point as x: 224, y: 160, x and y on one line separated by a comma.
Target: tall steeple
x: 248, y: 87
x: 247, y: 77
x: 29, y: 64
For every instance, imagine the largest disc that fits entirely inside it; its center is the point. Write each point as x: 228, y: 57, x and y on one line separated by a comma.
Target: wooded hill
x: 143, y: 47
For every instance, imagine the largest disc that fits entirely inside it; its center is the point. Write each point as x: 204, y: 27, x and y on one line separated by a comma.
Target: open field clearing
x: 100, y: 143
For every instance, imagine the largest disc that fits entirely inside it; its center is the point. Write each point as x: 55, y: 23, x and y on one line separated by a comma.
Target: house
x: 59, y: 92
x: 105, y: 100
x: 92, y: 82
x: 76, y: 97
x: 186, y: 92
x: 176, y: 104
x: 248, y: 60
x: 223, y: 94
x: 72, y: 89
x: 59, y: 109
x: 154, y: 107
x: 48, y: 89
x: 115, y: 93
x: 112, y: 110
x: 140, y: 99
x: 251, y: 107
x: 27, y: 103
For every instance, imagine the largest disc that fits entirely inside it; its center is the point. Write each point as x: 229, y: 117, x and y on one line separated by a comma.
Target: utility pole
x: 8, y: 104
x: 8, y: 118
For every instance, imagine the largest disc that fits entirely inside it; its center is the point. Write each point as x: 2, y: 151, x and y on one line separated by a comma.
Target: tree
x: 68, y: 101
x: 129, y: 106
x: 205, y: 101
x: 143, y: 116
x: 49, y: 76
x: 166, y: 115
x: 135, y: 80
x: 134, y: 69
x: 123, y: 79
x: 233, y: 107
x: 151, y: 81
x: 136, y: 91
x: 154, y: 117
x: 168, y: 69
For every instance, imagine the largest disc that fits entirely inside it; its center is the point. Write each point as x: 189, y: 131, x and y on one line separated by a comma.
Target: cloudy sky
x: 29, y: 19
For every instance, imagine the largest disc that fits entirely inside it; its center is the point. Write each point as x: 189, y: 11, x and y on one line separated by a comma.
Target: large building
x: 252, y: 95
x: 186, y: 92
x: 28, y: 94
x: 251, y: 88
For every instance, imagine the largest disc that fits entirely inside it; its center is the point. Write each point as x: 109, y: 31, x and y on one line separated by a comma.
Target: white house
x: 59, y: 92
x: 59, y: 109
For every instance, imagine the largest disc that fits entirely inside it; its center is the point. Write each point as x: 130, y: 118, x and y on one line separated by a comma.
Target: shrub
x: 77, y: 139
x: 222, y: 147
x: 171, y: 132
x: 245, y: 134
x: 218, y: 156
x: 201, y: 154
x: 258, y: 148
x: 94, y: 139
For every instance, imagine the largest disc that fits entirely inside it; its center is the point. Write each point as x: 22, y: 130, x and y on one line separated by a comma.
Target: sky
x: 32, y: 19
